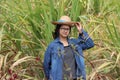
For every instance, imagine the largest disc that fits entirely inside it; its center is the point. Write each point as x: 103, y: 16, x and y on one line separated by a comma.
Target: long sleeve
x: 47, y: 62
x: 85, y: 41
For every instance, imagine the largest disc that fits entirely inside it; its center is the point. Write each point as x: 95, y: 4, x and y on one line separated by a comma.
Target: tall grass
x: 26, y: 30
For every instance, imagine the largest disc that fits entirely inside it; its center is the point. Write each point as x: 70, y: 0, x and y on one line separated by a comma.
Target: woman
x: 63, y: 59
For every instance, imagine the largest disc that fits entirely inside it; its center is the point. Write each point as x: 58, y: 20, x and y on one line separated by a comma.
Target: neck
x: 64, y: 41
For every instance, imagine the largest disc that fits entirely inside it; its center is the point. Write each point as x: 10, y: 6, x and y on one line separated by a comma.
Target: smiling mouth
x: 65, y: 34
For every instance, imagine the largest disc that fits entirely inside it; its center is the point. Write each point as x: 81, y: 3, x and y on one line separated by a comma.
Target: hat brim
x: 64, y: 23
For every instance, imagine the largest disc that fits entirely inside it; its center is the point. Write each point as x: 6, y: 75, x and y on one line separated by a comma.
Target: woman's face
x: 64, y: 31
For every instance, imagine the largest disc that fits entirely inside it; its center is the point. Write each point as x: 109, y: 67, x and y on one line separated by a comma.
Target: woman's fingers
x: 79, y: 27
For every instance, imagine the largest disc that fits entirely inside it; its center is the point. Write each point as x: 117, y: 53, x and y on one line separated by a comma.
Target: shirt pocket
x: 54, y: 56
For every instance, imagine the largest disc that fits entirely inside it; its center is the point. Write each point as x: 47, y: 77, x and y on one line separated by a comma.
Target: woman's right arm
x: 47, y: 61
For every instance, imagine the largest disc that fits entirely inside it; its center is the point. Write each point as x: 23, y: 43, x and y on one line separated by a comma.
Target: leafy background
x: 26, y: 30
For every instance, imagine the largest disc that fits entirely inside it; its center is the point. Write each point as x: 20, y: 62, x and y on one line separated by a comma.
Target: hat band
x: 62, y: 21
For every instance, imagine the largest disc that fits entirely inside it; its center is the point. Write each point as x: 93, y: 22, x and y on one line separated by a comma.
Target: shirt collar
x: 57, y: 39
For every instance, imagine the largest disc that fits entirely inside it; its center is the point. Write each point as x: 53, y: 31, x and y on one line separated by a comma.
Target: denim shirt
x: 53, y: 57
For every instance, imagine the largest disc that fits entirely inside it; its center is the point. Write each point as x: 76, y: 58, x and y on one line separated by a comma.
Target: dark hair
x: 56, y: 31
x: 55, y: 34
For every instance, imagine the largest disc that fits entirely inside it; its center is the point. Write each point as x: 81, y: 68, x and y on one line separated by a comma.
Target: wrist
x: 80, y: 33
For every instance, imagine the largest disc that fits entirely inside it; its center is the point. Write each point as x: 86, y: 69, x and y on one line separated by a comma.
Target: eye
x: 67, y: 29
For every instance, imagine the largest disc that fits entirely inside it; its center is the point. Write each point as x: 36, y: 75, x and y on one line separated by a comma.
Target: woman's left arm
x: 84, y: 40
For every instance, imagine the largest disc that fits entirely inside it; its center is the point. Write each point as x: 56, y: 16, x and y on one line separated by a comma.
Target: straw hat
x: 64, y: 20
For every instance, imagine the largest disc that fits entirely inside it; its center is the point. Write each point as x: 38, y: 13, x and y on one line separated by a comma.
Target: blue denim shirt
x: 53, y: 63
